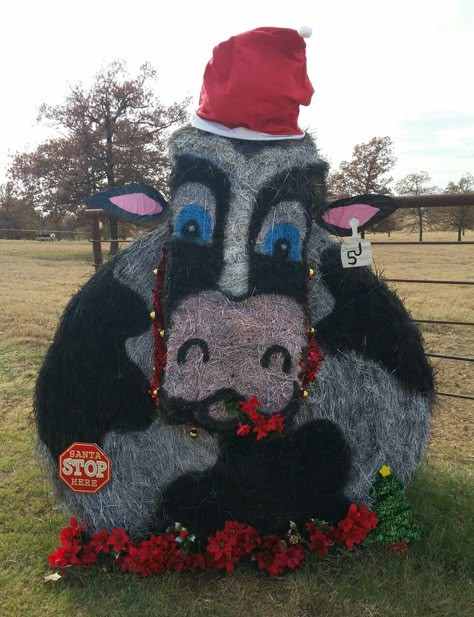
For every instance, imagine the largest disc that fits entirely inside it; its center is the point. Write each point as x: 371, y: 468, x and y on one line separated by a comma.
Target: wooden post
x: 96, y: 237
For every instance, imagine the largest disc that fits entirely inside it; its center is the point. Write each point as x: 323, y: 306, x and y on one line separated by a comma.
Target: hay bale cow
x: 233, y: 305
x: 246, y: 224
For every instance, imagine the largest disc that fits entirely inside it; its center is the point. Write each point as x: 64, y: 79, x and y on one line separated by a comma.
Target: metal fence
x: 404, y: 202
x: 437, y: 201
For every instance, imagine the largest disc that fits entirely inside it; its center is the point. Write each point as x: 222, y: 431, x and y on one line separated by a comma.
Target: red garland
x: 310, y: 364
x: 174, y: 550
x: 159, y: 350
x: 255, y: 422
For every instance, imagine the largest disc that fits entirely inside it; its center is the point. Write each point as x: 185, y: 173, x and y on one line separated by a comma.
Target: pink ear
x: 340, y: 216
x: 137, y: 203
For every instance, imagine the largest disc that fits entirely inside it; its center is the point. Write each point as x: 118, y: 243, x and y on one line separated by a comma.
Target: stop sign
x: 84, y: 467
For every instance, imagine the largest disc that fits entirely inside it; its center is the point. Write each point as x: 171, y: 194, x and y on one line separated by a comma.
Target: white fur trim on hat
x: 305, y: 31
x: 239, y: 132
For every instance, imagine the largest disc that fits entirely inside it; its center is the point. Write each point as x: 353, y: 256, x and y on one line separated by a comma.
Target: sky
x: 402, y: 69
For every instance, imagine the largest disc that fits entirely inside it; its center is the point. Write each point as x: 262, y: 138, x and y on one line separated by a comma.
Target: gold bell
x: 155, y: 392
x: 311, y: 273
x: 162, y: 333
x: 311, y: 331
x: 152, y: 315
x: 155, y: 271
x: 193, y: 433
x: 305, y: 393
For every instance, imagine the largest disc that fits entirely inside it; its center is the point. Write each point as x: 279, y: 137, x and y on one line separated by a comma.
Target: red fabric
x: 257, y: 80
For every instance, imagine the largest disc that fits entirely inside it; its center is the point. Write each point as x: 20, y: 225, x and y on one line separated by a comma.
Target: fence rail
x: 405, y: 201
x: 429, y: 281
x: 443, y: 200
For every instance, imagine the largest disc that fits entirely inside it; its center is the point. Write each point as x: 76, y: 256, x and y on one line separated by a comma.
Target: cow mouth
x: 213, y: 413
x: 219, y: 412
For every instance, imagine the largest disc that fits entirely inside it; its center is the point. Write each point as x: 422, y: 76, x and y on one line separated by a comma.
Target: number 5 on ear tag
x: 355, y: 252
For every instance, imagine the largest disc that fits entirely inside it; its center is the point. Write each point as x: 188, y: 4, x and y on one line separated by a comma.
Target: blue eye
x: 194, y: 223
x: 283, y: 241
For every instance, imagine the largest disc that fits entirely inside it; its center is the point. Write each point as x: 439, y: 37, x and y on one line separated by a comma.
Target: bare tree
x: 394, y: 222
x: 460, y: 218
x: 15, y: 214
x: 367, y: 171
x: 417, y: 184
x: 111, y: 133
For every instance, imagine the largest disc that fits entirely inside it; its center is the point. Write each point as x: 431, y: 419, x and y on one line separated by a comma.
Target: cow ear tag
x: 355, y: 252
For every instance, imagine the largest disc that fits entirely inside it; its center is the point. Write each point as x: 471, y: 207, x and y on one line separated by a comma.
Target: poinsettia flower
x: 66, y: 555
x: 88, y: 556
x: 195, y: 561
x: 220, y: 545
x: 249, y: 540
x: 273, y: 554
x: 318, y: 542
x: 118, y: 539
x: 250, y: 408
x: 176, y: 560
x: 294, y: 556
x: 262, y: 430
x: 258, y: 423
x: 276, y: 423
x: 73, y: 531
x: 100, y: 542
x: 244, y: 429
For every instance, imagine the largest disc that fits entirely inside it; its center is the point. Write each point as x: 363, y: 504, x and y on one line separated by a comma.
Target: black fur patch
x: 267, y: 483
x: 87, y: 385
x: 194, y: 267
x: 273, y: 276
x: 369, y: 318
x: 269, y: 274
x: 190, y: 269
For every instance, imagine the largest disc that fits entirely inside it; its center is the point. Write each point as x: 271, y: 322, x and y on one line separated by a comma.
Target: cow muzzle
x: 221, y: 350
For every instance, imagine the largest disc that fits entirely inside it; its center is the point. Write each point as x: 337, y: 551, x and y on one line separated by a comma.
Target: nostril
x: 189, y: 344
x: 274, y: 351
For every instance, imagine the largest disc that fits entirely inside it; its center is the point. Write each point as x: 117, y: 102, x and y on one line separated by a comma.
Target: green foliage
x: 394, y: 513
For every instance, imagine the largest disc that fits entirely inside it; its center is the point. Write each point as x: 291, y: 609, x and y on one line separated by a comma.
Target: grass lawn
x: 434, y: 578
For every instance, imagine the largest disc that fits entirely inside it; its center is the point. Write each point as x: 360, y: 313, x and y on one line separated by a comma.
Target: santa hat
x: 254, y: 84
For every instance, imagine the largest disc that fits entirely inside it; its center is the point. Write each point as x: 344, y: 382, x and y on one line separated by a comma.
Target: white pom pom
x: 305, y: 31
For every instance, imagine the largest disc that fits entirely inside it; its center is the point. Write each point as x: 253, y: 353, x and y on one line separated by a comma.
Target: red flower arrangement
x: 254, y: 422
x: 176, y: 550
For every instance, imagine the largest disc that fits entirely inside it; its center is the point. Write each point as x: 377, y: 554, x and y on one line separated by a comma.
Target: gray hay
x: 143, y: 464
x: 320, y: 300
x: 382, y: 422
x: 134, y: 268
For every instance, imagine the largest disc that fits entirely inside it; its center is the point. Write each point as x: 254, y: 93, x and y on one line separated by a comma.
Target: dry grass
x: 37, y: 279
x: 453, y: 429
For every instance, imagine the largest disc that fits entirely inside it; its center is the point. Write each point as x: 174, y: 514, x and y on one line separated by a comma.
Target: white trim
x: 238, y: 133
